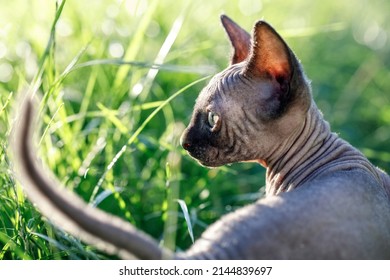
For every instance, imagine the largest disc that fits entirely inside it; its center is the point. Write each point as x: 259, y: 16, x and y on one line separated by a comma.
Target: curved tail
x: 93, y: 226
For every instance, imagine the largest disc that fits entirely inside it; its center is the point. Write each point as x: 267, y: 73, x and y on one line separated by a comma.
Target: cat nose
x: 186, y: 146
x: 184, y: 142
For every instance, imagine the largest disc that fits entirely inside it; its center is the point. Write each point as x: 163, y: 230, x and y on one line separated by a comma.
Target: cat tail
x: 93, y: 226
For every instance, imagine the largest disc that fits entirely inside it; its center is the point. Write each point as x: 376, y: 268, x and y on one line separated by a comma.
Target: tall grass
x: 116, y: 86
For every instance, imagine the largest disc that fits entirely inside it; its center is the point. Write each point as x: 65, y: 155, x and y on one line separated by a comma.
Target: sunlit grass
x: 116, y: 86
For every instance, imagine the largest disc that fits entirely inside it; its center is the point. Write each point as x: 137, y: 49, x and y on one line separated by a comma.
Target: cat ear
x: 239, y: 38
x: 270, y: 55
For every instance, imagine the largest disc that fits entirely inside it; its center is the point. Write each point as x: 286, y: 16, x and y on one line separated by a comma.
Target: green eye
x: 212, y: 119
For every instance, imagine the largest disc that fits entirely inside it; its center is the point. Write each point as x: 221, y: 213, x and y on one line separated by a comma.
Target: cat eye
x: 212, y: 119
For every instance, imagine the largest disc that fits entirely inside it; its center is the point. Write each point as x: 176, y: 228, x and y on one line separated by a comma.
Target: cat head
x: 246, y: 110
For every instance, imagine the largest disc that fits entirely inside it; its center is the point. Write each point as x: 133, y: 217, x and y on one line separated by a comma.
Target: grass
x: 116, y: 87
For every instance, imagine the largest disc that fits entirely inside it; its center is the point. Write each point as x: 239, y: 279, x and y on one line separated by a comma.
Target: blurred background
x: 101, y: 69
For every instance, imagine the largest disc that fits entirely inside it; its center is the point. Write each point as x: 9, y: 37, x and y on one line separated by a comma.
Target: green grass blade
x: 162, y: 54
x: 48, y: 50
x: 111, y: 116
x: 186, y: 214
x: 136, y: 43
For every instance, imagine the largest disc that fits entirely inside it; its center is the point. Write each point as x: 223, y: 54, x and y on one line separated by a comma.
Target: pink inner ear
x: 279, y: 71
x: 270, y: 55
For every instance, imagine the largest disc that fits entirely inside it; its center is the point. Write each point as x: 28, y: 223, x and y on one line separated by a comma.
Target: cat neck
x: 309, y: 152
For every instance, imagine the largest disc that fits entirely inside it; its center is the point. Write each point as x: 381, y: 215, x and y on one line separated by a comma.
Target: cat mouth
x: 204, y: 162
x: 205, y: 156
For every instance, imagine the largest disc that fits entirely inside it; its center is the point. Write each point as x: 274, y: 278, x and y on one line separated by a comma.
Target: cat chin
x: 228, y: 163
x: 205, y: 163
x: 210, y: 164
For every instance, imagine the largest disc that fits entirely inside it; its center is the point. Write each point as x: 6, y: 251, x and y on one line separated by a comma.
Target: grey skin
x: 324, y: 199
